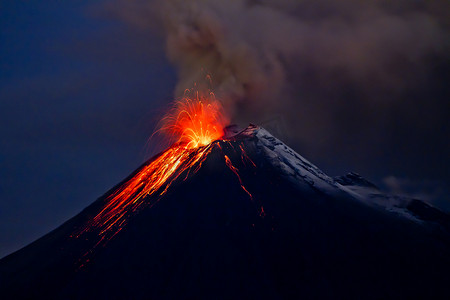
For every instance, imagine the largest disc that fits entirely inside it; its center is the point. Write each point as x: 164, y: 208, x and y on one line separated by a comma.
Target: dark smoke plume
x: 354, y: 76
x: 265, y: 56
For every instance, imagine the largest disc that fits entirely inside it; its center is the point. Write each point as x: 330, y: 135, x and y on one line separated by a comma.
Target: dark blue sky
x: 78, y: 99
x: 80, y: 93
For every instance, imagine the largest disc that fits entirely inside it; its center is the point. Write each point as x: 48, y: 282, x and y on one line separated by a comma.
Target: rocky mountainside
x: 274, y: 227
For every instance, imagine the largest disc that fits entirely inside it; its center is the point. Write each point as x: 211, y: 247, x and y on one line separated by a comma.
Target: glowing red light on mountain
x: 195, y: 121
x: 194, y: 126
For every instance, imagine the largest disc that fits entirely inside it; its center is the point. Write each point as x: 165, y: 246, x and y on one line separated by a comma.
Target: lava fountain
x: 195, y: 121
x: 193, y: 127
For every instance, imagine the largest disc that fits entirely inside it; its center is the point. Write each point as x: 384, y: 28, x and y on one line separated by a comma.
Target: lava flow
x: 193, y: 126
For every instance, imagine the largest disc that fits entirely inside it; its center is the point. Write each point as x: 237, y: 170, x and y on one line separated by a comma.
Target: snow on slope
x: 293, y: 165
x: 303, y: 173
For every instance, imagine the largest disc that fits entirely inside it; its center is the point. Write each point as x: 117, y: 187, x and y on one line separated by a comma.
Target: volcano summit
x: 243, y: 217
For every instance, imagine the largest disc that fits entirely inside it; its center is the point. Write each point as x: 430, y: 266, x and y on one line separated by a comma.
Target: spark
x: 195, y: 126
x: 235, y: 171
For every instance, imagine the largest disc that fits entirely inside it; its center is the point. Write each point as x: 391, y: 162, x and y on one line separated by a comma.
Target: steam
x: 254, y: 48
x: 237, y: 43
x: 302, y: 62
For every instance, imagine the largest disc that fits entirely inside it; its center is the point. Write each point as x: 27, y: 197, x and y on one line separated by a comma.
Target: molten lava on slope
x: 195, y: 126
x: 239, y: 215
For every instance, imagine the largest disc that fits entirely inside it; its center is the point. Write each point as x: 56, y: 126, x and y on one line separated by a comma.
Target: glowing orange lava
x: 196, y: 121
x: 193, y: 126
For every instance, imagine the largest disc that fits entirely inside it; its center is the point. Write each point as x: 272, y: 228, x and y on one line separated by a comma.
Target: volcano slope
x: 289, y: 232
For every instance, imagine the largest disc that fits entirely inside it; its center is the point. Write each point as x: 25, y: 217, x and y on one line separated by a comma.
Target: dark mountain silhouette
x: 302, y: 234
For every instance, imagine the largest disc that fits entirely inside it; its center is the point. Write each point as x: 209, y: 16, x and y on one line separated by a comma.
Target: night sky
x: 81, y: 91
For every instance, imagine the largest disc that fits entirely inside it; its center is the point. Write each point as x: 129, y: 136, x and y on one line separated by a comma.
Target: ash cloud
x: 355, y: 76
x: 268, y: 55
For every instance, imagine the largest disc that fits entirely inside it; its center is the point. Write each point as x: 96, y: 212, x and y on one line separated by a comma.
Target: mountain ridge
x: 292, y: 232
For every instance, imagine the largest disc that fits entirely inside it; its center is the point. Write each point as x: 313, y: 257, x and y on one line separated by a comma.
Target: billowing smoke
x: 357, y: 76
x: 236, y: 42
x: 264, y: 56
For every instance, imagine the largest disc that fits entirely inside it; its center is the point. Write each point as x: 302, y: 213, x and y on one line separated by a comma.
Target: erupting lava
x: 193, y: 126
x: 195, y: 121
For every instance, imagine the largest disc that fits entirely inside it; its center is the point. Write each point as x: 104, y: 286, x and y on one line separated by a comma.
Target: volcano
x: 250, y: 218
